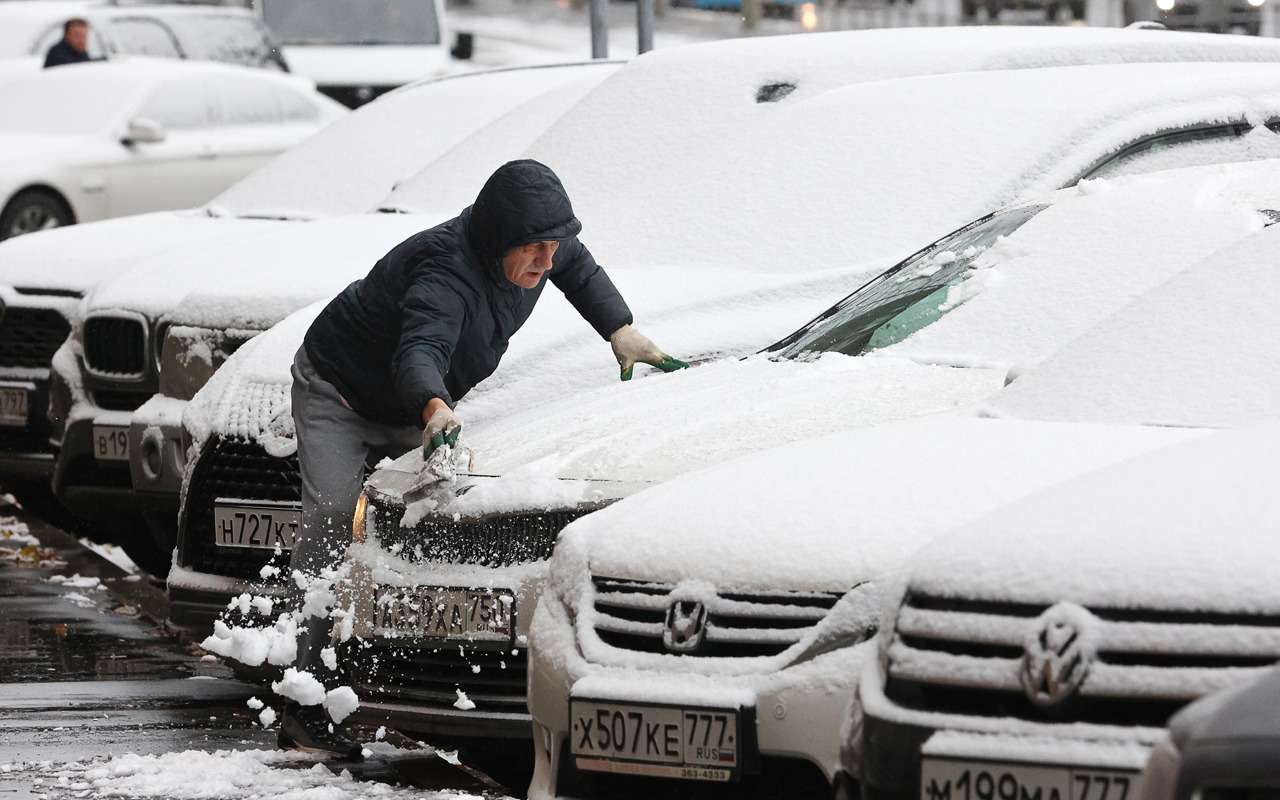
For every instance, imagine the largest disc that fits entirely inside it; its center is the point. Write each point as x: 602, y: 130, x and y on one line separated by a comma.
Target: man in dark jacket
x: 73, y: 48
x: 382, y: 367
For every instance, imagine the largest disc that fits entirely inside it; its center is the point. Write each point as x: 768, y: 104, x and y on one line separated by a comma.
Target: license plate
x: 702, y: 744
x: 259, y: 526
x: 111, y: 442
x: 442, y: 612
x: 13, y: 407
x: 946, y: 779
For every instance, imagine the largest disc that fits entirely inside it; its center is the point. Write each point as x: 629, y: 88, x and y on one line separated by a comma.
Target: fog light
x: 364, y: 94
x: 152, y: 454
x: 1165, y: 5
x: 1256, y: 3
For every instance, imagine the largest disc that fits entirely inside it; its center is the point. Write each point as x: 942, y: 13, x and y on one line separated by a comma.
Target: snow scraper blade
x: 437, y: 469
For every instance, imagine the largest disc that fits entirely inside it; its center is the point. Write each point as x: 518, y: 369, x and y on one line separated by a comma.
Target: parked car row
x: 950, y: 533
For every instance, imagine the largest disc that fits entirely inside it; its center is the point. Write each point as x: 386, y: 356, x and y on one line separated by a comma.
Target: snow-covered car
x: 357, y: 51
x: 1221, y: 745
x: 137, y: 333
x: 725, y: 87
x: 560, y: 460
x: 91, y: 141
x: 201, y: 32
x: 1045, y: 645
x: 711, y: 629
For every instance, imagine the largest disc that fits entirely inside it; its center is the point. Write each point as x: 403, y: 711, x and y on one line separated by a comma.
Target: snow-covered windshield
x: 901, y: 301
x: 59, y: 104
x: 345, y: 22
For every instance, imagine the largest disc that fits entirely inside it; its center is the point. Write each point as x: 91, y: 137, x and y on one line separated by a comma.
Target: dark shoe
x: 309, y: 728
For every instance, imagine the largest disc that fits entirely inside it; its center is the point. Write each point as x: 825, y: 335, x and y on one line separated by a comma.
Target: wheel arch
x: 48, y: 188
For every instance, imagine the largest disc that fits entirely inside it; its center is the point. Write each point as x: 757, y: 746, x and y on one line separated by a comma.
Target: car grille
x: 115, y: 346
x: 432, y: 675
x: 631, y: 615
x: 958, y: 656
x: 492, y: 540
x: 230, y: 467
x: 29, y: 336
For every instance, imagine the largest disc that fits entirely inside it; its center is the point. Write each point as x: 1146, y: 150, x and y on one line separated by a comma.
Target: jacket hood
x: 522, y: 202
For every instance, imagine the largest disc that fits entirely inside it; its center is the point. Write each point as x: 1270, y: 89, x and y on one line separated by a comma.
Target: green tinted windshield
x: 897, y: 303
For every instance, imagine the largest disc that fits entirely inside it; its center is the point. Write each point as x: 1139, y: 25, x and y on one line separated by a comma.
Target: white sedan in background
x: 91, y: 141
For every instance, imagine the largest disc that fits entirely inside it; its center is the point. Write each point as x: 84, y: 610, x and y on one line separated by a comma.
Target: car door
x: 177, y: 172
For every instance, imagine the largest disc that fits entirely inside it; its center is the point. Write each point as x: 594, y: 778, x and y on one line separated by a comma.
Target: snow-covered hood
x: 698, y: 313
x: 283, y: 265
x: 372, y: 65
x: 659, y: 427
x: 825, y: 514
x: 78, y: 257
x: 1191, y: 528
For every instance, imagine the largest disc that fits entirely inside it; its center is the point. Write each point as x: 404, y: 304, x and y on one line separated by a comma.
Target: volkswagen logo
x: 686, y: 626
x: 1058, y: 655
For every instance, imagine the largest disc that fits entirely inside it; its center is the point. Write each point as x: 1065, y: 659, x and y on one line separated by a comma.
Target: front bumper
x: 895, y: 741
x: 798, y: 713
x: 26, y: 452
x: 92, y: 487
x: 196, y: 599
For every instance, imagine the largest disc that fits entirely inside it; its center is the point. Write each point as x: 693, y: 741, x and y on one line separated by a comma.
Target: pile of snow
x: 1201, y: 350
x: 13, y: 531
x: 200, y: 775
x: 76, y: 581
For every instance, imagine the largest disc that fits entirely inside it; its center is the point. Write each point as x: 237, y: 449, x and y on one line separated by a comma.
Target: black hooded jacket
x: 433, y: 317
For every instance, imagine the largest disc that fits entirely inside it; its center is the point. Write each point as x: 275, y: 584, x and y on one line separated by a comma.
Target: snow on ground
x: 218, y: 775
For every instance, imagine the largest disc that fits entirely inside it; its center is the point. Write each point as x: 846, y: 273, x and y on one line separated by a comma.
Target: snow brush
x: 438, y: 465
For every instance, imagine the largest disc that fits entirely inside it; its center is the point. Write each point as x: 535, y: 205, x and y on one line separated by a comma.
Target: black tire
x: 511, y: 766
x: 34, y: 210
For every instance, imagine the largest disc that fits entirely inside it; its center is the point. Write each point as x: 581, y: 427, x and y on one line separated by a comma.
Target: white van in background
x: 357, y: 51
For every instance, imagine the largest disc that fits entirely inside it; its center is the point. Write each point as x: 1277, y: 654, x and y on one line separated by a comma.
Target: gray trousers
x: 334, y: 443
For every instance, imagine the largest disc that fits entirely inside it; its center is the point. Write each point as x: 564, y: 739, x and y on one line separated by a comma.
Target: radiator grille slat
x: 432, y: 676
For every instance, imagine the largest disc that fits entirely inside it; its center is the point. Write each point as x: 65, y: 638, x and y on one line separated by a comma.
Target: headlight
x: 358, y: 521
x: 189, y: 356
x: 1165, y: 5
x: 157, y: 343
x: 1160, y: 779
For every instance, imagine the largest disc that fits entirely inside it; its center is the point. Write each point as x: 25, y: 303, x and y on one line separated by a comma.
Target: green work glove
x: 632, y: 347
x: 443, y: 428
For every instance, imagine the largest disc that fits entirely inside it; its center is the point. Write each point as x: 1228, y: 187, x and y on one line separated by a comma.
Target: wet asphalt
x: 92, y: 672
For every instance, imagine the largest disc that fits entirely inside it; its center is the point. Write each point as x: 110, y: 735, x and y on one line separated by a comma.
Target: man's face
x: 78, y: 37
x: 525, y: 265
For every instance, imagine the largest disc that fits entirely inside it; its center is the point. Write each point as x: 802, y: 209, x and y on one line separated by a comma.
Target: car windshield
x: 901, y: 301
x: 346, y: 22
x: 66, y: 103
x: 234, y: 39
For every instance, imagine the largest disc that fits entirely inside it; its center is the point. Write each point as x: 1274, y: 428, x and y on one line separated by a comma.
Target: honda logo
x: 686, y: 626
x: 1058, y: 655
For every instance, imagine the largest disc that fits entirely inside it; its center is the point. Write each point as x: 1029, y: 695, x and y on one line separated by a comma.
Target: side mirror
x: 143, y: 131
x: 463, y: 46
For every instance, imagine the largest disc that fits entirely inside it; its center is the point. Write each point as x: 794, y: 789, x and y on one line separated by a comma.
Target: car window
x: 1193, y: 148
x: 179, y: 105
x: 346, y: 22
x: 142, y: 36
x: 54, y: 34
x: 246, y: 101
x: 901, y: 301
x: 233, y: 39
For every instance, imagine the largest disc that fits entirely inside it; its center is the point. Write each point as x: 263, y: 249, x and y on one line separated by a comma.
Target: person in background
x: 73, y: 48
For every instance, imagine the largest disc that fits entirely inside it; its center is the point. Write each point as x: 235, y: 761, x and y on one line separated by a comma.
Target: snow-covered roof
x: 1201, y: 350
x: 840, y: 172
x: 839, y: 509
x: 1194, y: 527
x: 354, y: 163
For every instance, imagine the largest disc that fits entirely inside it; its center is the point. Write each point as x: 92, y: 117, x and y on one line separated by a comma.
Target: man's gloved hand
x: 630, y: 347
x: 443, y: 427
